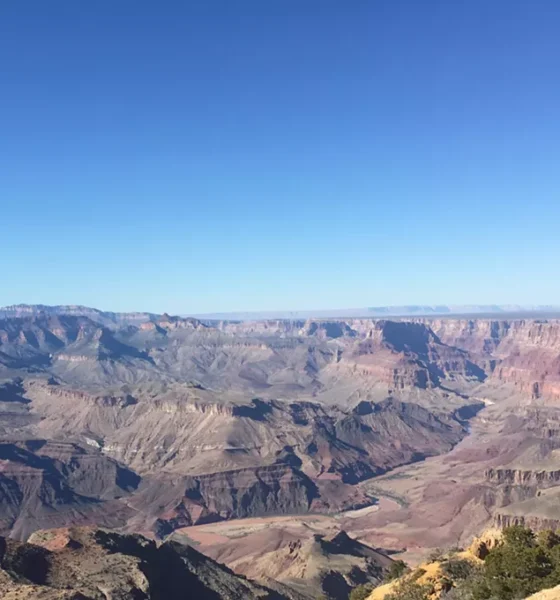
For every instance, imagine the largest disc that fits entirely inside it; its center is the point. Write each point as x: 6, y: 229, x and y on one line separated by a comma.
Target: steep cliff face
x: 166, y: 503
x: 534, y: 522
x: 484, y: 336
x: 538, y: 511
x: 524, y: 353
x: 523, y: 477
x: 54, y: 483
x: 479, y: 336
x: 65, y: 394
x: 401, y: 356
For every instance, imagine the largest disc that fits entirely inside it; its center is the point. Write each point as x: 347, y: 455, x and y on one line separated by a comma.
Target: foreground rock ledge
x: 96, y: 564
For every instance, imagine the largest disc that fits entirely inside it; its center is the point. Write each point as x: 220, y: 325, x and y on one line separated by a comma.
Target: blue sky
x: 282, y: 154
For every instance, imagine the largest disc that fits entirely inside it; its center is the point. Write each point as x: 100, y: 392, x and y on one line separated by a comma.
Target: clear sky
x: 214, y: 155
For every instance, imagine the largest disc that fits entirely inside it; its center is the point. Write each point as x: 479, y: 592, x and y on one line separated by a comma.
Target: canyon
x: 408, y: 433
x: 96, y: 564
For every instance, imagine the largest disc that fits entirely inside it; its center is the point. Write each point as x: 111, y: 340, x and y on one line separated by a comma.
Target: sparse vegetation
x: 519, y: 567
x: 410, y: 590
x: 396, y: 570
x: 458, y: 569
x: 548, y: 538
x: 361, y: 592
x: 416, y: 574
x: 524, y: 563
x: 436, y: 554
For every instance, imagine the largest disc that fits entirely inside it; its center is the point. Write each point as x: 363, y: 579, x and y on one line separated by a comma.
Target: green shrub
x: 361, y: 592
x: 410, y: 590
x: 458, y: 569
x: 435, y: 555
x: 416, y: 574
x: 548, y: 539
x: 519, y: 537
x: 397, y: 569
x: 523, y: 564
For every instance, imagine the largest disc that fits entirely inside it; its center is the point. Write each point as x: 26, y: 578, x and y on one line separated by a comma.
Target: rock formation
x: 155, y: 423
x: 95, y: 564
x: 329, y: 566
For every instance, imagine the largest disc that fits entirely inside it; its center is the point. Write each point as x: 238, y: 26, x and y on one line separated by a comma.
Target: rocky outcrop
x: 523, y: 477
x: 524, y: 353
x: 321, y: 565
x: 478, y: 336
x: 46, y: 483
x: 90, y: 564
x: 99, y: 316
x: 481, y: 545
x: 168, y: 323
x: 536, y: 523
x: 69, y: 394
x: 165, y: 503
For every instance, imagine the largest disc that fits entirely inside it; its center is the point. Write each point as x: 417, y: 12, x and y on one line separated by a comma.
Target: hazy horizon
x: 409, y: 310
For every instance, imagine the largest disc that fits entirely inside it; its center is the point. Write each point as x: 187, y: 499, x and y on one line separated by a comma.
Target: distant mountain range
x: 414, y: 310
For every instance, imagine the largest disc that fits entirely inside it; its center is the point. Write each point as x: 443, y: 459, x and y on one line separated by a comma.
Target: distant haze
x: 377, y: 312
x: 479, y: 310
